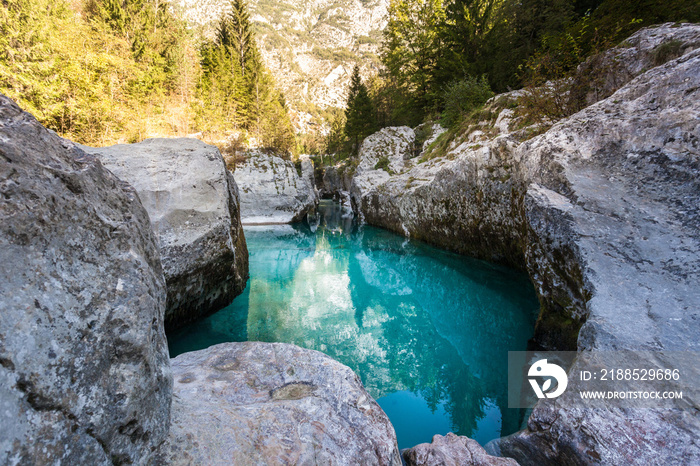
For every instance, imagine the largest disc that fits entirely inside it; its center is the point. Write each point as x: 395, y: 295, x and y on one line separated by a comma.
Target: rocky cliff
x: 275, y: 190
x: 310, y: 47
x: 193, y: 204
x: 84, y: 370
x: 601, y: 212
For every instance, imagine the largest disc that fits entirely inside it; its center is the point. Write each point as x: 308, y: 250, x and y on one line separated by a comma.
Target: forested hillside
x: 311, y: 47
x: 106, y: 71
x: 444, y: 58
x: 433, y: 48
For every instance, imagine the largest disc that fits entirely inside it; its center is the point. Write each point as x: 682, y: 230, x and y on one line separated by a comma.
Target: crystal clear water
x: 427, y: 331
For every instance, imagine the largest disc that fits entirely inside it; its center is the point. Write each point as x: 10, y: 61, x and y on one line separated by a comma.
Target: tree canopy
x: 431, y: 44
x: 105, y: 71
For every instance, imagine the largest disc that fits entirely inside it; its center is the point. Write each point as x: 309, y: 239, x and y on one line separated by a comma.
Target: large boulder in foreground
x: 273, y: 403
x: 273, y: 190
x: 453, y: 450
x: 84, y: 369
x: 194, y: 208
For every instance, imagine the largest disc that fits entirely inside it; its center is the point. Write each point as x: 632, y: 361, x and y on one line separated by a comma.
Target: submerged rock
x: 452, y: 450
x: 84, y: 369
x: 194, y: 208
x: 272, y: 191
x: 273, y: 403
x: 601, y: 210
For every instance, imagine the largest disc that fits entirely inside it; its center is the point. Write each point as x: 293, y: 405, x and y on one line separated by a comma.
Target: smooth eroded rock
x: 453, y: 450
x: 602, y: 74
x: 381, y: 155
x: 273, y: 191
x: 84, y: 369
x: 193, y: 203
x: 618, y: 185
x: 276, y: 404
x: 601, y: 210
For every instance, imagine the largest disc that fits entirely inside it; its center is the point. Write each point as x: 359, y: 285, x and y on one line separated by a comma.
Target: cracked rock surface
x: 273, y: 403
x: 84, y: 369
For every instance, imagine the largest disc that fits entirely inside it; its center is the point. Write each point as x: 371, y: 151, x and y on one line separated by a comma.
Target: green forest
x: 444, y: 58
x: 105, y: 71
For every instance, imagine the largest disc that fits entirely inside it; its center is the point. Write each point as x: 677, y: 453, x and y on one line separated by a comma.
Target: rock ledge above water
x: 193, y: 204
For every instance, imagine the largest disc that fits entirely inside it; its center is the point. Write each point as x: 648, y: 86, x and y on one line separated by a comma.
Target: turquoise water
x: 427, y: 331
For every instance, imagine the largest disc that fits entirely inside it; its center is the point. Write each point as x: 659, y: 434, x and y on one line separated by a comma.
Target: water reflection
x: 427, y: 331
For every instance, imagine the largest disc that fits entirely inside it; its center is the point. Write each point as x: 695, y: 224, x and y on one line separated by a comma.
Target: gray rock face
x: 453, y: 450
x: 601, y: 210
x: 336, y: 180
x: 272, y: 191
x: 194, y: 208
x: 625, y: 173
x: 84, y: 369
x: 645, y: 49
x: 461, y: 202
x: 273, y: 403
x: 382, y: 154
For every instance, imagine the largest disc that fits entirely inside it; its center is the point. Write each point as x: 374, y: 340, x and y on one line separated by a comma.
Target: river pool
x: 427, y: 331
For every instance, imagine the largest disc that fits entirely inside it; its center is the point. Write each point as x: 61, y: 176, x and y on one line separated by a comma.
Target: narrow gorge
x: 168, y: 301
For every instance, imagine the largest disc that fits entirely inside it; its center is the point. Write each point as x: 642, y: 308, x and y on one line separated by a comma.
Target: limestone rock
x: 381, y: 155
x: 618, y: 185
x: 272, y: 191
x: 462, y: 202
x: 337, y: 180
x: 645, y: 49
x: 194, y: 208
x: 273, y: 403
x: 453, y: 450
x: 84, y: 369
x: 601, y: 210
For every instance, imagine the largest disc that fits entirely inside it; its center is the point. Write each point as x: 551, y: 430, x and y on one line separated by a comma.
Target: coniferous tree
x: 236, y: 90
x: 360, y: 116
x: 235, y: 32
x: 112, y: 14
x: 412, y: 48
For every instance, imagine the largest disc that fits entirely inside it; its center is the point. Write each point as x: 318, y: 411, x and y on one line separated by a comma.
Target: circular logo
x: 549, y: 372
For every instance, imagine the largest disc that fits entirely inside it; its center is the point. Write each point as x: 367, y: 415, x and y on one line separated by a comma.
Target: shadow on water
x: 427, y: 331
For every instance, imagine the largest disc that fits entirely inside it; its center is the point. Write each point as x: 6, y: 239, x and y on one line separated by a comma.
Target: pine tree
x: 113, y: 14
x: 234, y: 32
x: 360, y: 117
x: 412, y: 49
x: 236, y: 90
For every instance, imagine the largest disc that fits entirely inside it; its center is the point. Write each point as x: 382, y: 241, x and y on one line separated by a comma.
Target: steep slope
x: 601, y: 210
x: 310, y: 47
